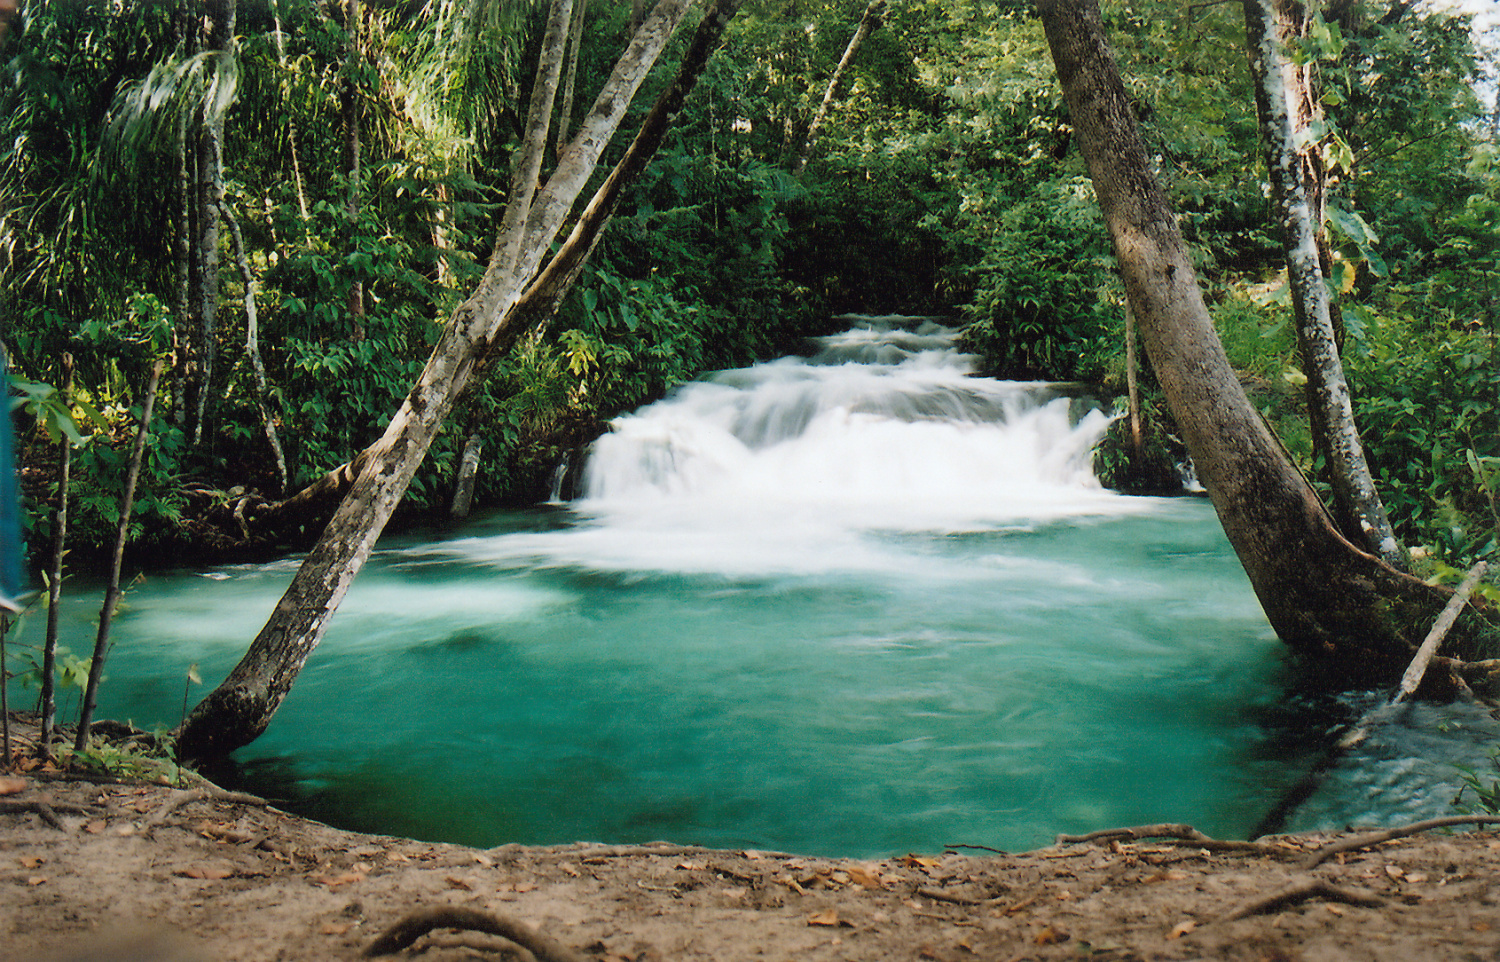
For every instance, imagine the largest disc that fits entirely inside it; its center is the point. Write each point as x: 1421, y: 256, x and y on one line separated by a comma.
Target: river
x: 854, y: 603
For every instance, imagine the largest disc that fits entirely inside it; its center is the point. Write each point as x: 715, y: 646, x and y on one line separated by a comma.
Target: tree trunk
x: 291, y: 129
x: 112, y: 590
x: 185, y: 327
x: 252, y: 346
x: 1321, y: 594
x: 351, y: 156
x: 1290, y: 110
x: 54, y: 575
x: 208, y: 162
x: 570, y: 75
x: 468, y: 471
x: 241, y: 707
x: 869, y: 21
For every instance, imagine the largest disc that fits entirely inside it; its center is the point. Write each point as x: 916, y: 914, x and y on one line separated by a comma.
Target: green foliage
x: 1425, y: 402
x: 1043, y: 304
x: 1486, y: 796
x: 71, y: 671
x: 144, y: 758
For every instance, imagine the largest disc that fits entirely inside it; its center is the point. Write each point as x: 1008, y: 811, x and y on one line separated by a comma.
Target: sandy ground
x: 118, y: 872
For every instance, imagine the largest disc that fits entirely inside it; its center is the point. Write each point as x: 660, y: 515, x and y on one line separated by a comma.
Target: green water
x: 856, y: 604
x: 1088, y: 673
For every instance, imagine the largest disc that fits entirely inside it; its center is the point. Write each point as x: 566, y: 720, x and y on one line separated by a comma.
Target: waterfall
x: 884, y: 428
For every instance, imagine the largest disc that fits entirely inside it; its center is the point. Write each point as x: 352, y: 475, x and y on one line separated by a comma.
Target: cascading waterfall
x: 885, y: 425
x: 795, y: 464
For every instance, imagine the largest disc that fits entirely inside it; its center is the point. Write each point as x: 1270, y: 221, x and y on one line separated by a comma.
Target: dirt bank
x: 115, y: 871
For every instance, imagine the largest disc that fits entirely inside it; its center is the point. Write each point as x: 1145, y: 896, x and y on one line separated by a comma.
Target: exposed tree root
x: 1175, y: 834
x: 422, y: 921
x: 181, y: 797
x: 1375, y: 838
x: 47, y: 812
x: 1301, y: 892
x: 938, y: 895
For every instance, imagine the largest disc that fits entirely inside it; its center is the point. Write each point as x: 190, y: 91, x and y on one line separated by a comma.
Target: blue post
x: 10, y: 508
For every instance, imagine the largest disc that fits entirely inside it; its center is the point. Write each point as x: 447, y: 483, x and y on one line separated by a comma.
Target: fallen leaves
x: 13, y: 786
x: 1181, y: 929
x: 335, y: 882
x: 32, y: 861
x: 829, y: 919
x: 1051, y: 936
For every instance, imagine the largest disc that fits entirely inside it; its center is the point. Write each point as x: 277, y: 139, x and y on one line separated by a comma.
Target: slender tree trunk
x: 209, y: 163
x: 1132, y: 390
x: 291, y: 129
x: 527, y: 168
x: 1320, y: 593
x: 185, y: 327
x: 352, y: 155
x: 442, y: 205
x: 570, y: 75
x: 6, y: 760
x: 468, y: 471
x: 252, y: 346
x: 55, y: 575
x: 1290, y: 109
x: 112, y: 590
x: 867, y: 22
x: 507, y: 299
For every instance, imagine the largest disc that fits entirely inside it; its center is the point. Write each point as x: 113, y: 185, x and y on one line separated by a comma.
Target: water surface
x: 857, y: 603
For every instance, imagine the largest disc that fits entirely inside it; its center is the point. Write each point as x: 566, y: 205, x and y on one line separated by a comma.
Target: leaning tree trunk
x: 869, y: 21
x: 1320, y: 593
x: 508, y: 299
x: 1290, y: 110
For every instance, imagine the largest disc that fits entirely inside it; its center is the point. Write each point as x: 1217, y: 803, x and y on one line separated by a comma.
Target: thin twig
x: 422, y: 921
x: 938, y: 895
x: 1375, y: 838
x: 1301, y: 892
x: 983, y: 848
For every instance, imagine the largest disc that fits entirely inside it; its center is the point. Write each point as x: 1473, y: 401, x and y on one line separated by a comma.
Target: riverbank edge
x: 100, y: 870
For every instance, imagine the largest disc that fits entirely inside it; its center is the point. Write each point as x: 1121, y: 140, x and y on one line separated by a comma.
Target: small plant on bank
x: 1486, y: 797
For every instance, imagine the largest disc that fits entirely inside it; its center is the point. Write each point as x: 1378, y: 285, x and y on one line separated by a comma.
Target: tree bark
x: 1290, y: 110
x: 570, y: 75
x: 468, y: 471
x: 1321, y: 593
x: 351, y: 156
x: 252, y: 345
x: 208, y: 168
x: 241, y: 707
x: 291, y: 128
x: 54, y: 575
x: 867, y: 22
x: 112, y: 590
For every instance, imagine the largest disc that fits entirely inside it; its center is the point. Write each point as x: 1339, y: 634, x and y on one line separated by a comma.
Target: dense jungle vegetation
x: 365, y: 153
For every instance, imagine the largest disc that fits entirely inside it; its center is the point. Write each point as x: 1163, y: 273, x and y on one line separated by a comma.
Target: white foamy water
x: 822, y: 463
